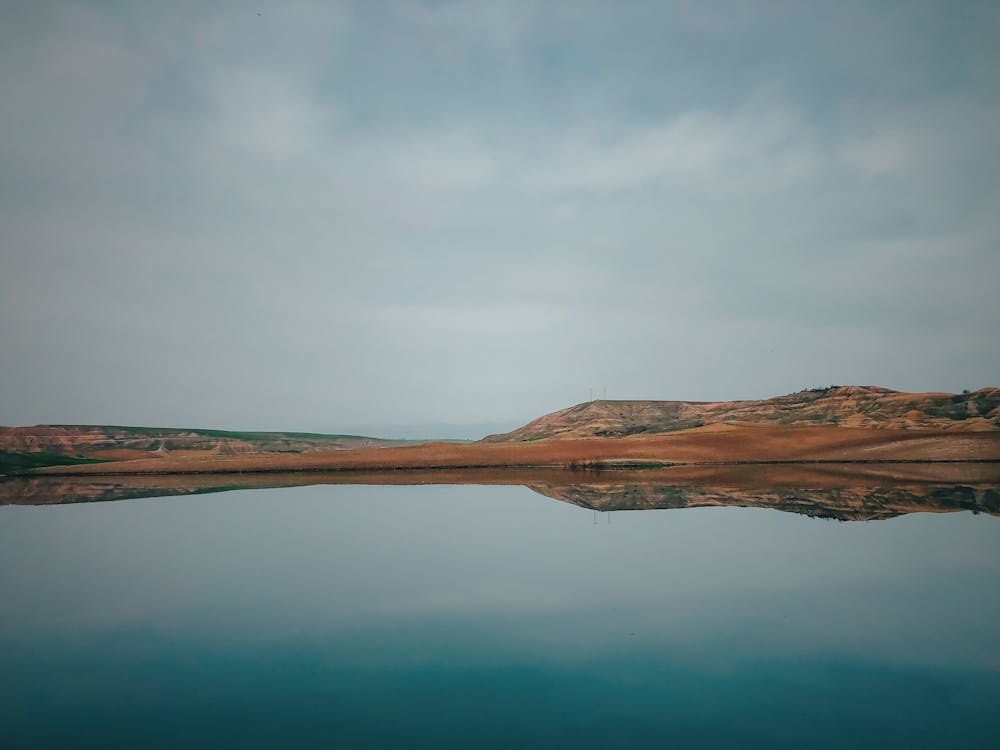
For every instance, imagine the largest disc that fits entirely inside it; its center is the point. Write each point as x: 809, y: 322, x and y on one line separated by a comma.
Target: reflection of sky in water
x: 354, y: 612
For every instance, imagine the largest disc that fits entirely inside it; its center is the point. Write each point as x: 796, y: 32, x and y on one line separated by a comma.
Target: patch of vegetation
x: 260, y: 436
x: 690, y: 425
x: 11, y: 462
x: 634, y: 429
x: 676, y: 426
x: 949, y: 410
x: 819, y: 389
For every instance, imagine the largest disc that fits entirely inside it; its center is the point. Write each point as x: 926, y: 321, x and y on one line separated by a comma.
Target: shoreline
x: 708, y: 446
x: 848, y: 491
x: 589, y: 467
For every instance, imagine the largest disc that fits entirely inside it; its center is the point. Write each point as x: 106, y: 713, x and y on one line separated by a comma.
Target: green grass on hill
x: 11, y: 462
x: 252, y: 436
x: 249, y: 436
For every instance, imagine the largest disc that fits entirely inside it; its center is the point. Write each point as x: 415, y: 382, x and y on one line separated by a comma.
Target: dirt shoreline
x: 595, y: 467
x: 708, y: 446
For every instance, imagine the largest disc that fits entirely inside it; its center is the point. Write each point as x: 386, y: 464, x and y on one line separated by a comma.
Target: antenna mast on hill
x: 591, y: 394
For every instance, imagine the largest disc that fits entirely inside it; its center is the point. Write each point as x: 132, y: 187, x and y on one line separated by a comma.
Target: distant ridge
x: 52, y: 445
x: 844, y: 406
x: 852, y: 424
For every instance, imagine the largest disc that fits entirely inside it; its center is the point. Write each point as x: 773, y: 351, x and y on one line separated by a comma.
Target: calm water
x: 472, y: 616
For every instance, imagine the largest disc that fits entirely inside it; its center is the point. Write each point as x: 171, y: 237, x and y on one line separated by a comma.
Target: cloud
x: 884, y: 153
x: 450, y: 161
x: 533, y: 196
x: 486, y: 320
x: 496, y: 24
x: 754, y: 149
x: 268, y: 116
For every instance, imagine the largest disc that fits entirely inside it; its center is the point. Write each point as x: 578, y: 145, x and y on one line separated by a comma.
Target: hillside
x: 52, y: 445
x: 842, y: 406
x: 852, y: 424
x: 712, y: 444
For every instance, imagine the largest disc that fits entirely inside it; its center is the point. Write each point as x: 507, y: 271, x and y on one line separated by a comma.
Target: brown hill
x: 843, y: 406
x: 850, y: 424
x: 713, y: 444
x: 24, y: 447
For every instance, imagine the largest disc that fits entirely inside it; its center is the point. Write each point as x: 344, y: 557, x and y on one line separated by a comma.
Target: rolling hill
x: 855, y: 424
x: 62, y: 445
x: 838, y: 406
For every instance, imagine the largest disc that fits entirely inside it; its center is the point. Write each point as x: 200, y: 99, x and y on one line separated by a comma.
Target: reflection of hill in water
x: 848, y: 493
x: 59, y: 490
x: 844, y: 504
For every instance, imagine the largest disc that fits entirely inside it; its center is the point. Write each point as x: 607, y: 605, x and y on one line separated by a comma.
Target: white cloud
x: 267, y: 115
x: 453, y: 161
x: 887, y: 152
x: 499, y: 24
x: 558, y: 191
x: 755, y: 149
x: 510, y: 319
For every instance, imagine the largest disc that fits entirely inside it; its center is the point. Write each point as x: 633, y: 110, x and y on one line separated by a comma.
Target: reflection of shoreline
x: 845, y: 492
x: 844, y: 504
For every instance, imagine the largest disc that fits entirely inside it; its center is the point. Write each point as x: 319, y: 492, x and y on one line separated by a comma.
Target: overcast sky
x: 319, y: 216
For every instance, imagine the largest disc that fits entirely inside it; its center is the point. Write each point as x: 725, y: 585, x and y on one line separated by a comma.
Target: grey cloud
x: 381, y: 214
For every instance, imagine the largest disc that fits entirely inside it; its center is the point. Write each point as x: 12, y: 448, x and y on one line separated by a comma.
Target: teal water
x: 467, y: 616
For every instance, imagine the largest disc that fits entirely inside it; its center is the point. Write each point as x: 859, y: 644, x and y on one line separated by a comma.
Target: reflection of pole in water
x: 609, y: 518
x: 595, y: 516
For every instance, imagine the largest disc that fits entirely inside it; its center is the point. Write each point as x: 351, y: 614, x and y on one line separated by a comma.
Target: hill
x: 712, y: 444
x: 842, y: 406
x: 845, y: 424
x: 57, y: 445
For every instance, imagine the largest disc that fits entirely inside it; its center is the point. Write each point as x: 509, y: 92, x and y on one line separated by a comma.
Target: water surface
x: 491, y: 616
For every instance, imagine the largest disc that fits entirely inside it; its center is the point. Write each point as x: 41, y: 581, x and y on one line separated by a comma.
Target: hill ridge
x: 849, y: 406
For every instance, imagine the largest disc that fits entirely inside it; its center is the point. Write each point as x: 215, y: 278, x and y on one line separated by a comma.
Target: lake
x: 371, y: 616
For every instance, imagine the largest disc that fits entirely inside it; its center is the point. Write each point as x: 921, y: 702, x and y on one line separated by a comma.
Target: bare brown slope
x: 124, y: 443
x: 720, y: 443
x: 844, y: 406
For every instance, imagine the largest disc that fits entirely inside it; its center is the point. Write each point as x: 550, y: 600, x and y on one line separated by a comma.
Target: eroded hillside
x: 843, y: 406
x: 47, y: 445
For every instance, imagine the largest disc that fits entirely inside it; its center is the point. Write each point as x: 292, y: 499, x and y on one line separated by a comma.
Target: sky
x: 393, y: 216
